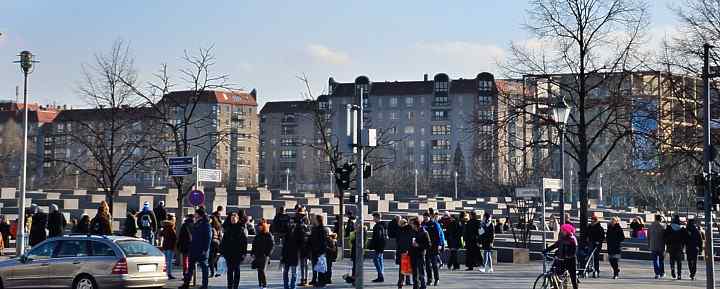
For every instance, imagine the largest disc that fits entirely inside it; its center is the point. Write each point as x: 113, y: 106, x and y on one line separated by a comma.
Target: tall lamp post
x: 456, y: 186
x: 26, y: 65
x: 560, y: 114
x: 416, y: 175
x: 708, y: 168
x: 287, y: 179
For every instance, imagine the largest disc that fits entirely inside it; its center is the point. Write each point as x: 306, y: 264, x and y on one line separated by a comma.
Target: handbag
x: 321, y: 265
x: 221, y: 265
x: 405, y: 267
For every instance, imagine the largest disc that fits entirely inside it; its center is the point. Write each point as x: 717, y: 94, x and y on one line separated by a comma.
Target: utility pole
x: 416, y: 184
x: 360, y: 232
x: 707, y: 163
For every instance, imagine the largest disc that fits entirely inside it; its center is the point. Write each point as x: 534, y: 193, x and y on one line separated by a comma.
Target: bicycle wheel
x: 542, y: 282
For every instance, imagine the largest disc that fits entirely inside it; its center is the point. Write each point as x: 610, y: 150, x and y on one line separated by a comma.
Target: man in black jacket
x: 419, y: 244
x: 377, y: 245
x: 694, y: 246
x: 596, y: 237
x: 471, y: 238
x: 56, y: 222
x: 453, y: 235
x: 676, y: 237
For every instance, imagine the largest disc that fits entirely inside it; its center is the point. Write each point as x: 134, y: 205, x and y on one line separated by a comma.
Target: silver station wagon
x: 86, y: 262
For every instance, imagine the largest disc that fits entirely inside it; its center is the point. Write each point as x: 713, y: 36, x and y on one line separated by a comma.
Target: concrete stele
x: 70, y: 204
x: 7, y: 193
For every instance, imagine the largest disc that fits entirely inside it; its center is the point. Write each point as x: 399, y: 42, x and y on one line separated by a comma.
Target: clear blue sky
x: 266, y: 44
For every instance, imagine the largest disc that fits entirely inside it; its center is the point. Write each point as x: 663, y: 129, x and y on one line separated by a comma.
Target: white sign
x: 209, y: 175
x: 527, y: 192
x: 553, y: 184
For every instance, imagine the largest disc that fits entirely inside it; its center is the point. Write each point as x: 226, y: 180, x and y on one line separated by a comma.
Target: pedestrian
x: 566, y: 246
x: 615, y: 237
x: 676, y: 236
x: 471, y: 238
x: 83, y: 225
x: 250, y: 225
x: 393, y: 227
x: 101, y: 223
x: 130, y: 227
x: 487, y: 238
x: 262, y: 247
x: 420, y: 243
x: 169, y: 244
x: 355, y: 250
x: 219, y: 213
x: 160, y: 212
x: 499, y: 226
x: 148, y: 223
x: 636, y: 226
x: 184, y: 241
x: 234, y: 248
x: 302, y: 225
x: 595, y: 239
x: 199, y: 248
x: 403, y: 244
x: 56, y: 222
x: 293, y: 242
x: 214, y: 255
x: 318, y: 244
x: 280, y: 224
x: 554, y: 226
x: 453, y: 236
x: 694, y: 246
x: 437, y: 242
x: 38, y: 227
x: 377, y: 245
x: 656, y: 244
x: 5, y: 229
x: 332, y: 255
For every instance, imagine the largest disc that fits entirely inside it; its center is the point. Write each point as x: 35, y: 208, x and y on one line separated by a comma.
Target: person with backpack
x: 130, y: 228
x: 676, y: 237
x: 694, y: 246
x: 377, y: 245
x: 487, y: 238
x: 56, y: 222
x: 262, y: 247
x: 100, y: 224
x: 234, y: 248
x: 147, y: 222
x: 437, y: 242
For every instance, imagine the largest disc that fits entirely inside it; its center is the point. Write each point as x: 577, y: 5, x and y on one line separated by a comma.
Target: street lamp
x: 456, y: 185
x: 332, y: 175
x: 560, y: 114
x: 26, y: 65
x: 287, y: 179
x: 416, y: 175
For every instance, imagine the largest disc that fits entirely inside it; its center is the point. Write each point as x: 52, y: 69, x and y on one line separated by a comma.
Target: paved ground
x: 634, y: 274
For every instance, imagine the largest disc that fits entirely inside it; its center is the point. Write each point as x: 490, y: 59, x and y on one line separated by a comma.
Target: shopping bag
x: 321, y: 265
x: 221, y: 266
x: 405, y: 267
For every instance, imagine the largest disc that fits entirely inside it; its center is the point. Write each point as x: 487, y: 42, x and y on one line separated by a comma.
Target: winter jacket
x: 201, y: 237
x: 280, y: 224
x: 234, y: 243
x: 292, y: 244
x: 318, y: 241
x: 695, y: 240
x: 304, y: 233
x: 185, y: 237
x: 656, y: 237
x: 636, y: 227
x: 437, y: 238
x: 423, y: 242
x: 379, y: 238
x: 488, y: 238
x: 56, y: 224
x: 615, y: 237
x: 403, y: 242
x: 262, y: 247
x: 566, y: 248
x: 152, y: 226
x: 596, y: 234
x: 169, y: 239
x: 160, y: 214
x: 676, y: 237
x: 470, y: 233
x: 37, y: 228
x: 453, y: 234
x: 130, y: 228
x: 82, y: 228
x: 392, y: 229
x: 100, y: 225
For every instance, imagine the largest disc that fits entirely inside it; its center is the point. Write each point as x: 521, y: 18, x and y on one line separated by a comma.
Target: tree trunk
x: 583, y: 180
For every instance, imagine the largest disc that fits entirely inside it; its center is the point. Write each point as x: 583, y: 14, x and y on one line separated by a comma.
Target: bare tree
x: 590, y: 44
x: 110, y: 142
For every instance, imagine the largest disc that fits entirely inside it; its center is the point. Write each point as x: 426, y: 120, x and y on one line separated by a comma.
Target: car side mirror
x: 23, y: 258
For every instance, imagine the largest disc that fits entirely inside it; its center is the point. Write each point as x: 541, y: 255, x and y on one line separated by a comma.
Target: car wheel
x: 84, y: 282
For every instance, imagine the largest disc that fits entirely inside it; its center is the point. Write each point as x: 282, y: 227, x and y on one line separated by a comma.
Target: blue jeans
x: 487, y: 257
x: 379, y: 265
x: 289, y: 282
x: 169, y: 255
x: 191, y: 271
x: 303, y: 270
x: 658, y: 263
x: 148, y: 236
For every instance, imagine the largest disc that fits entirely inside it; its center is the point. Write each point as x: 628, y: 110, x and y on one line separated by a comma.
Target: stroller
x: 586, y: 258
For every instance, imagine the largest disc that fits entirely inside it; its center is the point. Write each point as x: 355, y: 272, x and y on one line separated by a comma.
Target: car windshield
x: 137, y: 248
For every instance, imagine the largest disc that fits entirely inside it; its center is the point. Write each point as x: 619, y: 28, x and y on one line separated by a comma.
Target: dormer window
x: 485, y: 85
x: 441, y: 86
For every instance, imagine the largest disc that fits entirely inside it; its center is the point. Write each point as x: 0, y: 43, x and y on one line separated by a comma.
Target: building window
x: 439, y: 158
x: 422, y: 144
x: 441, y: 86
x: 439, y: 115
x: 485, y: 129
x: 409, y: 130
x: 422, y: 100
x: 366, y: 102
x: 411, y: 143
x: 440, y: 173
x: 484, y: 99
x: 393, y: 102
x: 440, y: 144
x: 485, y: 115
x: 288, y: 142
x: 484, y: 85
x: 422, y: 131
x: 410, y: 115
x: 441, y: 129
x: 409, y: 101
x: 392, y: 130
x: 288, y: 154
x: 394, y: 116
x: 288, y: 130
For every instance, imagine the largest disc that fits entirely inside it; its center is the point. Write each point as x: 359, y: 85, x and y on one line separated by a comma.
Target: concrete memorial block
x: 90, y: 212
x: 328, y: 195
x: 267, y: 212
x: 481, y: 200
x: 333, y: 201
x: 513, y: 255
x: 389, y: 197
x: 143, y: 199
x: 116, y: 226
x: 309, y: 195
x: 97, y: 198
x: 471, y: 202
x: 497, y: 212
x: 432, y: 204
x: 289, y: 204
x: 119, y: 210
x: 493, y: 200
x: 403, y: 206
x: 171, y: 201
x: 241, y: 188
x: 265, y: 195
x: 80, y: 192
x: 313, y: 201
x: 70, y: 204
x: 502, y: 206
x: 373, y: 197
x: 243, y: 201
x: 127, y: 191
x: 383, y: 206
x: 423, y: 206
x: 7, y: 193
x: 218, y: 201
x: 283, y: 192
x: 52, y: 196
x: 220, y: 191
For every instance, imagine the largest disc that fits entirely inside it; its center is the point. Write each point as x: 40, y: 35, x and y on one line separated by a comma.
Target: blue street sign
x: 180, y: 161
x: 180, y: 171
x: 196, y: 198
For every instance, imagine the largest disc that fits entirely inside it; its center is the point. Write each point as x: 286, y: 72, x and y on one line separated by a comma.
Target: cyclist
x: 566, y: 247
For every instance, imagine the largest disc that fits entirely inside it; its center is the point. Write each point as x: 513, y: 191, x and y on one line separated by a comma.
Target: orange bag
x: 405, y: 267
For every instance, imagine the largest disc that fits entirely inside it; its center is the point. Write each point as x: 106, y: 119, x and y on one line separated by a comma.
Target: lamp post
x: 26, y: 65
x: 332, y: 175
x: 287, y: 179
x: 456, y: 186
x: 416, y: 175
x: 707, y: 168
x: 77, y: 179
x: 560, y: 114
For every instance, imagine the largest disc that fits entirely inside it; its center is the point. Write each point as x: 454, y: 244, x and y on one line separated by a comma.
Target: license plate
x: 147, y: 268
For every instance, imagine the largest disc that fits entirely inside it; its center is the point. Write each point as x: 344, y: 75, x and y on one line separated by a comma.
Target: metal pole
x: 197, y: 172
x: 331, y: 182
x: 360, y: 256
x: 456, y: 186
x: 562, y: 170
x: 544, y: 238
x: 77, y: 180
x: 20, y: 242
x: 707, y: 162
x: 416, y: 175
x: 287, y: 179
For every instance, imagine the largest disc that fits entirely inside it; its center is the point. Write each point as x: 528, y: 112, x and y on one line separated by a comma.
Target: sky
x: 266, y: 45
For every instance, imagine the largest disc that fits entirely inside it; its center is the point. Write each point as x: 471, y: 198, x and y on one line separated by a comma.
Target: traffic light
x: 343, y: 176
x: 701, y: 183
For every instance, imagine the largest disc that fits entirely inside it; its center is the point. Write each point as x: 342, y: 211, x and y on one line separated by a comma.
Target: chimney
x: 253, y: 93
x: 425, y: 77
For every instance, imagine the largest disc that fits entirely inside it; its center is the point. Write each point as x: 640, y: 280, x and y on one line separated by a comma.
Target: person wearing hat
x: 402, y: 241
x: 147, y: 222
x: 595, y: 238
x: 56, y: 222
x: 487, y: 238
x: 566, y: 254
x: 38, y: 226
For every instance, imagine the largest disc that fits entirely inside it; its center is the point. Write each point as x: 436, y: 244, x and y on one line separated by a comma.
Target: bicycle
x: 554, y: 277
